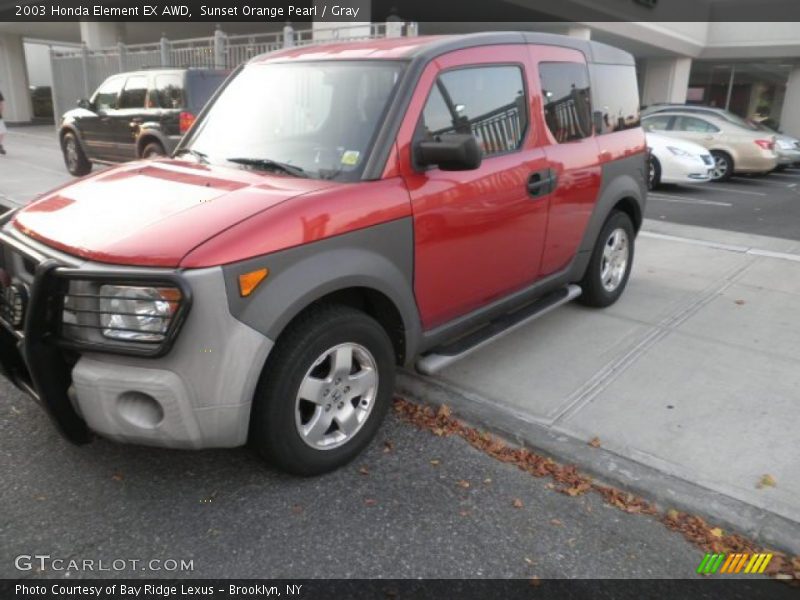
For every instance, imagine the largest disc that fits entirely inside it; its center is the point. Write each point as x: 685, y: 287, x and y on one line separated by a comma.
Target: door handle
x: 541, y: 183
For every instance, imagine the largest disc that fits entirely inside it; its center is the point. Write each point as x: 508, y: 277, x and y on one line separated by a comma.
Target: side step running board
x: 443, y: 356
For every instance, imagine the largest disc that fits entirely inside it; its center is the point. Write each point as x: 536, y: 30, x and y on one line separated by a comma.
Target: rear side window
x: 134, y: 93
x: 694, y: 124
x: 107, y: 94
x: 615, y: 98
x: 169, y: 90
x: 567, y: 101
x: 656, y: 123
x: 201, y: 87
x: 487, y: 102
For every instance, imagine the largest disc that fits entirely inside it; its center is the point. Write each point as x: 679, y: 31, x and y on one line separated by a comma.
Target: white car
x: 677, y: 161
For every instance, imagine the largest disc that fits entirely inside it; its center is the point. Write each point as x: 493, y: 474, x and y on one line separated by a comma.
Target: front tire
x: 74, y: 158
x: 610, y: 265
x: 324, y: 391
x: 653, y: 174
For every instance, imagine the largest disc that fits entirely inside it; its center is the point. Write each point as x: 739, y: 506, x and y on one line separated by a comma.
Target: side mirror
x: 83, y: 103
x: 451, y: 152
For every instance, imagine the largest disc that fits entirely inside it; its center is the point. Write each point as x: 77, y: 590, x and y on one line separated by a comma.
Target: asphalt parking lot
x: 768, y: 206
x: 403, y: 510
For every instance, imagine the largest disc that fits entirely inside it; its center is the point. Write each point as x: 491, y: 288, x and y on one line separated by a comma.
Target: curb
x: 665, y: 491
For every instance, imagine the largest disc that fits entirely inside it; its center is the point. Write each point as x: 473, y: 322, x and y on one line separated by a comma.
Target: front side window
x: 567, y: 101
x: 134, y: 92
x: 318, y: 118
x: 487, y: 102
x: 615, y: 98
x: 693, y: 124
x: 106, y: 96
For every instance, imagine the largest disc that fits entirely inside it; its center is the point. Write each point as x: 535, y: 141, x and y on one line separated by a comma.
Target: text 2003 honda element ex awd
x: 334, y: 212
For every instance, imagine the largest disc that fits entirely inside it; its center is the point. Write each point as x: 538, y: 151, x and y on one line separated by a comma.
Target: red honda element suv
x: 334, y: 212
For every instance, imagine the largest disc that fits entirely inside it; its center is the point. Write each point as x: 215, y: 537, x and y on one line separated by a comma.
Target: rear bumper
x: 198, y: 395
x: 757, y: 162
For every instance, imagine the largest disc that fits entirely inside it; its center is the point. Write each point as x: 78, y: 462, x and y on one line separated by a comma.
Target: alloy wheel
x: 336, y: 396
x: 616, y: 253
x: 720, y: 167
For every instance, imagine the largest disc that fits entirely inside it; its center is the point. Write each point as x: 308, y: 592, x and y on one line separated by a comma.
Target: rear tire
x: 610, y: 264
x: 153, y: 150
x: 74, y: 158
x: 723, y: 166
x: 324, y: 391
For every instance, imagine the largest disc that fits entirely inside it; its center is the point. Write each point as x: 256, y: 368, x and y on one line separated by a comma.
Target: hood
x: 153, y: 213
x: 661, y: 142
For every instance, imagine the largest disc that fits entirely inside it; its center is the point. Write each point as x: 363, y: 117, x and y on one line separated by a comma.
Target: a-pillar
x: 14, y: 80
x: 666, y: 80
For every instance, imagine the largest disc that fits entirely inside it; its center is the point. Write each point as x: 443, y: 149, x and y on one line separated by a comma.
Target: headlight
x: 137, y: 314
x: 678, y: 151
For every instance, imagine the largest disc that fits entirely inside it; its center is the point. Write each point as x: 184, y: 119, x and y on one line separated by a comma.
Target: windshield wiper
x: 200, y: 156
x: 267, y: 163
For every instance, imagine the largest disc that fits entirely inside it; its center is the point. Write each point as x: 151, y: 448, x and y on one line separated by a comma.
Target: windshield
x: 304, y: 119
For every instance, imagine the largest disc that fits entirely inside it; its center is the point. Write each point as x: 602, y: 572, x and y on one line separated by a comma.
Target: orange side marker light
x: 248, y: 282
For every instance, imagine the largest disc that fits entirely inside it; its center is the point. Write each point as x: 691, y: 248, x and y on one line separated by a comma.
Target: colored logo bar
x: 734, y: 563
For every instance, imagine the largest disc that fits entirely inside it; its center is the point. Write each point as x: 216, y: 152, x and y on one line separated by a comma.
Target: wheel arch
x: 69, y: 128
x: 370, y: 269
x: 147, y: 136
x: 624, y: 188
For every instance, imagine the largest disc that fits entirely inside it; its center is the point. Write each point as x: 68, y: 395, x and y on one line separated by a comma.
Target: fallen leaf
x: 117, y: 476
x: 370, y: 502
x: 464, y: 513
x: 716, y: 532
x: 487, y: 481
x: 517, y: 503
x: 364, y: 470
x: 672, y: 514
x: 297, y: 509
x: 438, y: 431
x: 535, y: 581
x: 529, y: 561
x: 388, y: 446
x: 464, y: 484
x: 595, y: 442
x: 766, y: 481
x: 556, y: 522
x: 444, y: 411
x: 739, y: 302
x: 435, y: 462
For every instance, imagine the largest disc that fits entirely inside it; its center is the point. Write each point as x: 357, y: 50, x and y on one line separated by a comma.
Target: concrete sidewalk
x: 691, y: 381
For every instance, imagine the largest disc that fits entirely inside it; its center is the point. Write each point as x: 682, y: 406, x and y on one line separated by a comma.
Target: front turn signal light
x: 248, y: 282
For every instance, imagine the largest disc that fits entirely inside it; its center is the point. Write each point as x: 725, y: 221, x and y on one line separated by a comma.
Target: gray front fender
x: 378, y: 258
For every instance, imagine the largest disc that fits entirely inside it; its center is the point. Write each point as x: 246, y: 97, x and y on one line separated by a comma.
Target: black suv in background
x: 135, y: 115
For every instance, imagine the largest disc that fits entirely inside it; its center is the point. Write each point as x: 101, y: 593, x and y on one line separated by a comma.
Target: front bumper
x: 198, y: 395
x: 685, y: 170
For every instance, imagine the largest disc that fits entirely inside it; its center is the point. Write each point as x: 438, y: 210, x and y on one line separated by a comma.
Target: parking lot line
x: 718, y: 188
x: 686, y: 200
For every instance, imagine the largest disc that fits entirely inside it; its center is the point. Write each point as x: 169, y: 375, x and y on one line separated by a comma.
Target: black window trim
x: 552, y: 139
x: 526, y: 133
